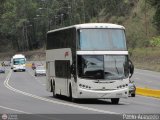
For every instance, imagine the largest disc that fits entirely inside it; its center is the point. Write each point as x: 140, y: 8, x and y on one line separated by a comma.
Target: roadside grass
x: 146, y: 58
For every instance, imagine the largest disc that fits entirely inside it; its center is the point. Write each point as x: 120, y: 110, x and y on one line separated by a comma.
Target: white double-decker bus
x: 88, y: 61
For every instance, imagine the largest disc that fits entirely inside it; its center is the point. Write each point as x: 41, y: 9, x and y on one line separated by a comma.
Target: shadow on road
x: 86, y: 101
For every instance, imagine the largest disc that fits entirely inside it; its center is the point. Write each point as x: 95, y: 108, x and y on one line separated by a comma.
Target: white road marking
x: 6, y: 84
x: 20, y: 111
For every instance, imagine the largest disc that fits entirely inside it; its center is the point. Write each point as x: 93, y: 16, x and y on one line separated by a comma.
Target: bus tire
x: 115, y: 100
x: 53, y: 89
x: 133, y: 95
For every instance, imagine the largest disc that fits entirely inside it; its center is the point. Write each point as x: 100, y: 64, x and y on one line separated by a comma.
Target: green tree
x: 156, y: 18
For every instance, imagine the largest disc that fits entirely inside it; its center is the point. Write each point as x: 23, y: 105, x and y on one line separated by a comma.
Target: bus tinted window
x: 62, y: 68
x: 116, y: 67
x: 106, y: 67
x: 91, y: 66
x: 62, y: 39
x: 102, y: 39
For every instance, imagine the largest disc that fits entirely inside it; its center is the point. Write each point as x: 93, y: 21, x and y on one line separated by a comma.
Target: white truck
x: 18, y: 63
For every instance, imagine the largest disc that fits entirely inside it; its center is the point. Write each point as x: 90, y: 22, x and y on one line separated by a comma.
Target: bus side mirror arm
x: 131, y: 68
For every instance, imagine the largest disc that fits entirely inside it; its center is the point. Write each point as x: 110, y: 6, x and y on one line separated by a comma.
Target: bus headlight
x: 122, y: 86
x: 84, y: 86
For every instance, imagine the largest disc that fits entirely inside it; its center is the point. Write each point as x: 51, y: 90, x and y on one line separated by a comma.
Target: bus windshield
x: 105, y: 67
x: 18, y: 61
x: 102, y: 39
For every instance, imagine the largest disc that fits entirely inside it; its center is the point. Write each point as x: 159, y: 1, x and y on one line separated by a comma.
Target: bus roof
x: 18, y: 56
x: 91, y: 25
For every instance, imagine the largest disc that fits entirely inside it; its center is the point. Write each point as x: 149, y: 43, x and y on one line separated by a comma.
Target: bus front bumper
x: 19, y: 68
x: 97, y: 94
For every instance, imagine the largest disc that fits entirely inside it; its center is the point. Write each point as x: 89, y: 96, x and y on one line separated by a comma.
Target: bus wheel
x: 115, y: 100
x: 53, y: 89
x: 133, y: 95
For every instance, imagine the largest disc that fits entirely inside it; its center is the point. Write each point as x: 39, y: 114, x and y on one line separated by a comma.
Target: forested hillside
x: 24, y: 23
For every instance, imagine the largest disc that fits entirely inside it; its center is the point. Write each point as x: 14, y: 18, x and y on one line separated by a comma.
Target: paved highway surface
x: 22, y: 93
x: 146, y: 79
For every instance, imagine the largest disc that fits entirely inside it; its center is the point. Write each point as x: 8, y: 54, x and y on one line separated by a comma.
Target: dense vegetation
x: 24, y: 23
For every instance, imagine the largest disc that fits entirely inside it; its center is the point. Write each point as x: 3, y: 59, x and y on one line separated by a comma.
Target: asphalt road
x: 22, y: 93
x: 146, y: 79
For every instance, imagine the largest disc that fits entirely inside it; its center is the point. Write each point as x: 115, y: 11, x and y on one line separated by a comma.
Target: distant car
x: 2, y: 69
x: 40, y: 70
x: 33, y: 66
x: 132, y: 89
x: 6, y: 63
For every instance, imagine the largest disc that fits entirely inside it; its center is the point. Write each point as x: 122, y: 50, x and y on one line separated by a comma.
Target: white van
x: 18, y: 63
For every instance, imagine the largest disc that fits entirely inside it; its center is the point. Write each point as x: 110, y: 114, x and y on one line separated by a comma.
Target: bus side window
x: 67, y: 69
x: 62, y: 69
